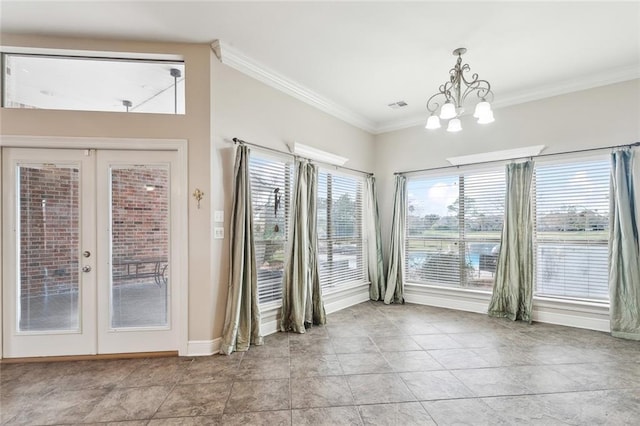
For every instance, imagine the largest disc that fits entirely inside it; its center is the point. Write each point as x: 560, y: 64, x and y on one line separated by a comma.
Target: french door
x: 90, y: 249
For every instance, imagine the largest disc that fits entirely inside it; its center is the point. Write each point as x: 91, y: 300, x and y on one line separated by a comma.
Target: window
x: 271, y: 188
x: 572, y: 223
x: 93, y: 84
x: 341, y: 254
x: 453, y: 228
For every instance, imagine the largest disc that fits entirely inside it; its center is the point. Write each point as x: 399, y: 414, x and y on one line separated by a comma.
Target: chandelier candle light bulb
x: 451, y: 97
x: 448, y: 111
x: 433, y: 122
x: 454, y: 125
x: 482, y: 109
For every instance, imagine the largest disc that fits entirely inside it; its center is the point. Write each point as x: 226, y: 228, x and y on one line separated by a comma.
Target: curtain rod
x: 240, y: 141
x: 517, y: 158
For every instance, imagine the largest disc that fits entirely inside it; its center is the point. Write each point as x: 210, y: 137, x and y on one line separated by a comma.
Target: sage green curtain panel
x: 374, y: 243
x: 242, y: 318
x: 301, y: 294
x: 315, y: 313
x: 624, y: 248
x: 513, y: 287
x: 394, y: 292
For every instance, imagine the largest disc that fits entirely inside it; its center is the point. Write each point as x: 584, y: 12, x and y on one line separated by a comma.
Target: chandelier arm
x: 433, y: 107
x: 445, y: 89
x: 482, y: 88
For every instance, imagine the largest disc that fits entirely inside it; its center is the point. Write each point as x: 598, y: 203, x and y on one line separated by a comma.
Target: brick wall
x: 50, y: 251
x: 48, y: 230
x: 140, y: 219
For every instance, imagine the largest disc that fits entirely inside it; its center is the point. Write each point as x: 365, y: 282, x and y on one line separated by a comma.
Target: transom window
x: 33, y: 81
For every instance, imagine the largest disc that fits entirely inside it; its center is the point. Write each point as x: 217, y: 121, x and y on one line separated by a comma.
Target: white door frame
x: 139, y: 144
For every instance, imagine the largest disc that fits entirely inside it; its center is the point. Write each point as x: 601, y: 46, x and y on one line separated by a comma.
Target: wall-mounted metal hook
x: 198, y: 195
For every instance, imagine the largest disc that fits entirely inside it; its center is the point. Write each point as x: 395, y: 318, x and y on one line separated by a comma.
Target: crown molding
x: 612, y: 76
x: 616, y: 75
x: 402, y: 123
x: 233, y: 58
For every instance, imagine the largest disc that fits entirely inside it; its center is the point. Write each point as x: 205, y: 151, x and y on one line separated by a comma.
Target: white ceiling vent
x: 398, y: 105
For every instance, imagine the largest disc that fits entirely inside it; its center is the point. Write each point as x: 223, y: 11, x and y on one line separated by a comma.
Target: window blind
x: 572, y: 223
x: 453, y: 228
x: 271, y: 189
x: 483, y: 207
x: 432, y: 253
x: 341, y: 254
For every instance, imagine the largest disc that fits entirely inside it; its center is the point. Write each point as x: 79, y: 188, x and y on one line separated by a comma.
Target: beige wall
x: 222, y: 103
x: 250, y: 110
x: 604, y: 116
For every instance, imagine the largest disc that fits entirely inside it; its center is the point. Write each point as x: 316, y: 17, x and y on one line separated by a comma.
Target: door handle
x: 86, y: 268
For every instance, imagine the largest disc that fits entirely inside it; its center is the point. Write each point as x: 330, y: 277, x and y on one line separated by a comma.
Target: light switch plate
x: 218, y: 232
x: 218, y: 216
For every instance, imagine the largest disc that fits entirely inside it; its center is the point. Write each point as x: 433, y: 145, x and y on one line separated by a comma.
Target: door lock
x: 86, y: 268
x: 86, y: 253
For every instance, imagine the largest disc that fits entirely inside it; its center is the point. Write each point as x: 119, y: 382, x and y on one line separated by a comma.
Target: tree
x: 429, y: 220
x: 469, y: 207
x: 343, y: 215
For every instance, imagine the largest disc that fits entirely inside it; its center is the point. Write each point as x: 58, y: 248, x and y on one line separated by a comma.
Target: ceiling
x: 352, y: 59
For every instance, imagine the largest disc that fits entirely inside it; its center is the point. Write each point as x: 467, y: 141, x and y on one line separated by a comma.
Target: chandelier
x: 454, y: 93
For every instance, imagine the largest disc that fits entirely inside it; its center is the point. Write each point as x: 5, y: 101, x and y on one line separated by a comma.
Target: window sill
x: 270, y: 306
x: 578, y: 305
x: 442, y: 288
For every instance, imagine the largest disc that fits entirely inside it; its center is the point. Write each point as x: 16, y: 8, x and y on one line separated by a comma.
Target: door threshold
x: 131, y: 355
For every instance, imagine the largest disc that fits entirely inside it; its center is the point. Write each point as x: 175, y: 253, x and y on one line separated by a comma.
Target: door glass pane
x: 49, y: 246
x: 139, y: 246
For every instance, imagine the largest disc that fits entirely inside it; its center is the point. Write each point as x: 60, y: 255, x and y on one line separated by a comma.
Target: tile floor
x: 372, y: 364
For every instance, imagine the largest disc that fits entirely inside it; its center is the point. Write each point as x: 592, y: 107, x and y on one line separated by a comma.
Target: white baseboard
x: 590, y: 316
x: 580, y: 315
x: 270, y: 320
x: 336, y: 301
x: 203, y: 347
x: 461, y: 300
